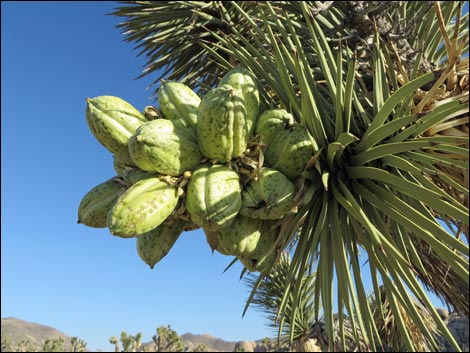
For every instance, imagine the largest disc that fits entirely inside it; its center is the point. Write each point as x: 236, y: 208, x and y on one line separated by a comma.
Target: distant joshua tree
x: 114, y: 340
x: 167, y: 340
x: 78, y: 345
x: 53, y: 345
x: 129, y: 343
x: 7, y: 345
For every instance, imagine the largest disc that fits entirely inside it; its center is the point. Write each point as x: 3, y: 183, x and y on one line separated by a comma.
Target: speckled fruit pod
x: 95, y: 205
x: 122, y: 162
x: 155, y: 244
x: 178, y: 103
x: 112, y: 121
x: 270, y: 122
x: 223, y: 129
x: 163, y: 147
x: 213, y: 196
x: 134, y: 175
x: 269, y: 196
x: 289, y: 151
x: 143, y: 207
x: 261, y: 263
x: 243, y: 80
x: 247, y: 237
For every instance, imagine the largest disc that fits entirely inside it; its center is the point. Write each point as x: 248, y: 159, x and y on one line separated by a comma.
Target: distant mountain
x: 215, y: 344
x: 20, y: 330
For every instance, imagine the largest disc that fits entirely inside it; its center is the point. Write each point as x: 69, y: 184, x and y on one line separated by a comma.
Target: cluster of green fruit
x: 214, y: 163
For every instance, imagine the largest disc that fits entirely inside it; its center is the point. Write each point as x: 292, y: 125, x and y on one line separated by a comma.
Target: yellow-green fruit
x: 248, y: 237
x: 289, y: 151
x: 155, y: 244
x: 143, y: 207
x: 178, y: 103
x: 270, y: 122
x: 269, y: 196
x: 127, y: 170
x: 223, y: 127
x: 132, y: 176
x: 122, y: 162
x: 112, y: 121
x: 95, y: 205
x: 260, y: 264
x: 243, y: 80
x: 164, y: 147
x: 213, y: 196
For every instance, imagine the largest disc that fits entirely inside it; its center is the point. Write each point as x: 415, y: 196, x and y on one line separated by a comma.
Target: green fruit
x: 269, y: 196
x: 213, y: 196
x: 289, y: 151
x: 270, y: 122
x: 155, y: 244
x: 112, y: 121
x: 163, y: 147
x: 260, y: 264
x: 178, y: 103
x: 95, y: 205
x: 143, y: 207
x: 242, y: 79
x: 122, y: 162
x: 133, y: 175
x: 223, y: 128
x: 247, y: 237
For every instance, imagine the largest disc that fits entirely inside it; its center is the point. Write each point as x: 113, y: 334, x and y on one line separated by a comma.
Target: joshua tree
x: 114, y: 340
x: 7, y: 345
x: 268, y: 299
x: 382, y: 88
x: 137, y: 342
x: 53, y: 345
x: 167, y: 340
x: 78, y: 345
x: 26, y: 345
x: 129, y: 343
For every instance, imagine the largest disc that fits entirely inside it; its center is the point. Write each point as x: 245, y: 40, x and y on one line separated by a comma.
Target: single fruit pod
x: 143, y: 207
x: 289, y: 151
x: 133, y: 175
x: 178, y: 103
x: 95, y: 205
x: 213, y: 196
x: 247, y: 237
x: 264, y: 257
x: 223, y: 129
x: 270, y: 196
x: 262, y: 264
x: 155, y: 244
x: 112, y: 121
x: 164, y: 147
x: 270, y: 122
x: 242, y: 79
x: 122, y: 162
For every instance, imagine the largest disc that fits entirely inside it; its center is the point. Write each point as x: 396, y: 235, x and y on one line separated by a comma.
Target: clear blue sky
x: 80, y: 280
